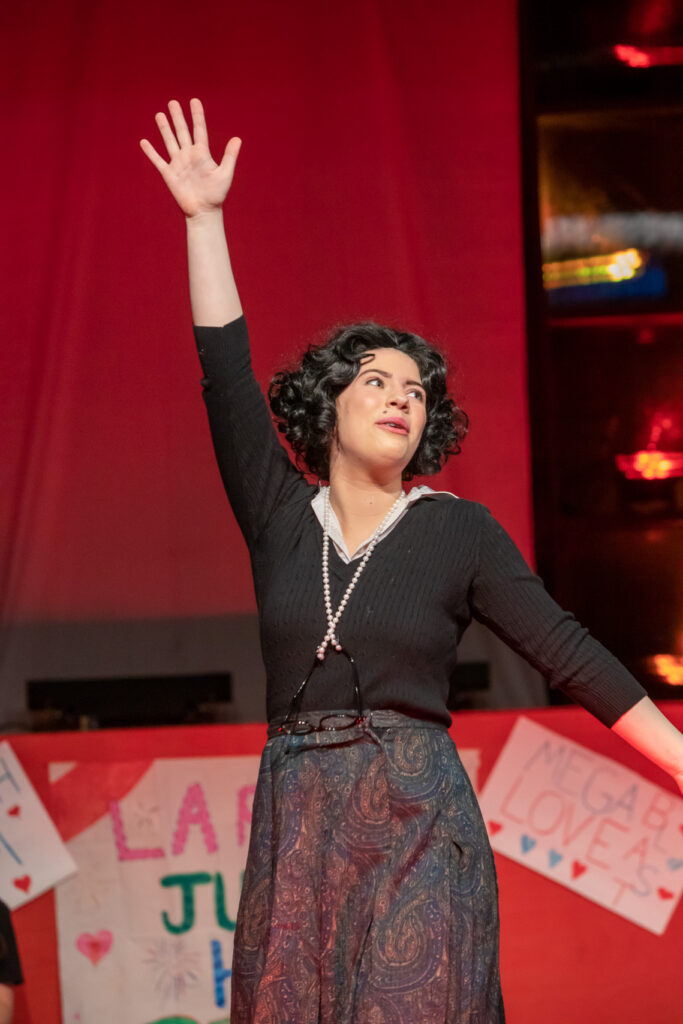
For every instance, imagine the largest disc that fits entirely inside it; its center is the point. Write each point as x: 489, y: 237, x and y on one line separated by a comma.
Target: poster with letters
x: 33, y: 857
x: 587, y: 822
x: 145, y: 929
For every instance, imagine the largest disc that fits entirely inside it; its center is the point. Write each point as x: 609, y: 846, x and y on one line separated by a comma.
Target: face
x: 382, y: 413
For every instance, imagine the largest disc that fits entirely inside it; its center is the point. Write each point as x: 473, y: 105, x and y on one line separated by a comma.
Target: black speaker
x: 127, y: 701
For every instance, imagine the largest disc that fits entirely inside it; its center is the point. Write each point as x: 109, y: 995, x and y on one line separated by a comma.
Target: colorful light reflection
x: 613, y: 267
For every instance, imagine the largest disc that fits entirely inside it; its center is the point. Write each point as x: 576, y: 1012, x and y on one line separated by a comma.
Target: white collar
x: 336, y: 535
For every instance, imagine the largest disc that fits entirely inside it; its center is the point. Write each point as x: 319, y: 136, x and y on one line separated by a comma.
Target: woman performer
x: 370, y: 890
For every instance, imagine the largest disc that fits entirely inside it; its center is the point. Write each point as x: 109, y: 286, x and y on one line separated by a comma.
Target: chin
x: 396, y: 465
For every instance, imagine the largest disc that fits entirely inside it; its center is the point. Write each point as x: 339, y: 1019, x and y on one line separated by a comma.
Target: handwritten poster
x: 33, y: 858
x: 145, y: 930
x: 588, y: 823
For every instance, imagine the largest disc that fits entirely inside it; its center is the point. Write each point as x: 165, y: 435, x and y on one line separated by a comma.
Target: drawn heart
x: 578, y: 868
x: 674, y: 863
x: 664, y: 894
x: 23, y: 883
x: 494, y: 826
x: 94, y: 946
x: 527, y: 843
x: 15, y: 811
x: 554, y: 857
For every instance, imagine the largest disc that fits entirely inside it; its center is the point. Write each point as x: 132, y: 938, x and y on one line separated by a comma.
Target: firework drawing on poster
x: 174, y: 967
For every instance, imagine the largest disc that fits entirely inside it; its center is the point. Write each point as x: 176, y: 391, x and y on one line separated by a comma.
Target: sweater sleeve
x: 257, y: 473
x: 507, y: 597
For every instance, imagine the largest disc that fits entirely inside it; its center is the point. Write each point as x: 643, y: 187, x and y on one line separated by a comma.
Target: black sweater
x: 447, y: 561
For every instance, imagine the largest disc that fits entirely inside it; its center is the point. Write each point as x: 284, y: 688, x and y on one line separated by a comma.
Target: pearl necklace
x: 332, y: 619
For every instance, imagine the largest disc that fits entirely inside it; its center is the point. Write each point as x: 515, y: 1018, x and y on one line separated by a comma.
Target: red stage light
x: 648, y: 56
x: 632, y: 56
x: 650, y: 464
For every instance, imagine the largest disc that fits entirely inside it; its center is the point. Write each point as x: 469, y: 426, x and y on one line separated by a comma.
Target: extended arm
x: 509, y: 598
x: 200, y: 185
x: 650, y: 732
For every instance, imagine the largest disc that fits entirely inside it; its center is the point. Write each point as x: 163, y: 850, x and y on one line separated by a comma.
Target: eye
x: 375, y: 380
x: 417, y: 393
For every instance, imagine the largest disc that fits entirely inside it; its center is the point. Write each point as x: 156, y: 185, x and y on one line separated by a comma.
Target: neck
x: 356, y: 498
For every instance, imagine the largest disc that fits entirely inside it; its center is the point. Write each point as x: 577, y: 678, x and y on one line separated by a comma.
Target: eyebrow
x: 383, y: 373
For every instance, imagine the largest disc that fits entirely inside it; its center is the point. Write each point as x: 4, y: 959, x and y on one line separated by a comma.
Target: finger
x: 199, y: 123
x: 179, y: 123
x: 149, y: 151
x: 167, y: 135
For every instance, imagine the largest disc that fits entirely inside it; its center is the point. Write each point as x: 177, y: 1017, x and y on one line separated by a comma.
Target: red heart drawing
x: 23, y: 883
x: 578, y: 868
x: 664, y: 894
x: 94, y: 946
x: 494, y: 826
x: 15, y: 811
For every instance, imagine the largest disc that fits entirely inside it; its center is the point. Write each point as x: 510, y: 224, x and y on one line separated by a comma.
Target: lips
x: 396, y: 424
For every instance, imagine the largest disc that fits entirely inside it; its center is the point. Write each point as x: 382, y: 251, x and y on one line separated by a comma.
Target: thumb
x: 231, y: 152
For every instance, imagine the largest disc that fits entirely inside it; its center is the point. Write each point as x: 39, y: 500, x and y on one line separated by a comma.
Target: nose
x: 398, y: 399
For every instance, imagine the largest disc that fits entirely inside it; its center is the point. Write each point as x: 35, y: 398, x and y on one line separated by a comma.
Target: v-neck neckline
x: 345, y: 570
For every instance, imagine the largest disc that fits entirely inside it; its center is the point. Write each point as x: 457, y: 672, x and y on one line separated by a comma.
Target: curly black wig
x: 303, y: 399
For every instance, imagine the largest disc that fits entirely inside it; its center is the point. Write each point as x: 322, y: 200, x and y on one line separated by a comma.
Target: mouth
x: 396, y: 426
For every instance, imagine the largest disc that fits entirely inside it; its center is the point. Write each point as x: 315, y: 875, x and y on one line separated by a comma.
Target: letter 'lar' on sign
x: 588, y: 823
x: 193, y: 811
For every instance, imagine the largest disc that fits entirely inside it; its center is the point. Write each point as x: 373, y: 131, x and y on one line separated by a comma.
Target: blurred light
x: 650, y: 465
x: 583, y: 232
x: 648, y: 56
x: 668, y: 667
x: 612, y: 267
x: 632, y: 56
x: 665, y: 426
x: 624, y: 265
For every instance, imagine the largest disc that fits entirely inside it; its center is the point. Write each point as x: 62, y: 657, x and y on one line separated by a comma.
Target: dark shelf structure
x: 602, y: 140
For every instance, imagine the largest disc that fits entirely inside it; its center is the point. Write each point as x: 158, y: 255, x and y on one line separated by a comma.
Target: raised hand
x: 197, y: 183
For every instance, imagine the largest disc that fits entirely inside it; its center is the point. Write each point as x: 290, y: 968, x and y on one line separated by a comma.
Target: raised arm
x: 200, y: 185
x: 256, y: 470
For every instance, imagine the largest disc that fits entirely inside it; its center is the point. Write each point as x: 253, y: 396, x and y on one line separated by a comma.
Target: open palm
x: 196, y: 181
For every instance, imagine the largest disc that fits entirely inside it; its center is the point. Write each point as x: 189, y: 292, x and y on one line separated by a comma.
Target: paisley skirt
x: 370, y: 892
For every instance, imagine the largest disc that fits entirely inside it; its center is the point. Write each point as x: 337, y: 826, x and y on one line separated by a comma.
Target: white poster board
x: 587, y: 822
x: 33, y: 857
x: 145, y: 930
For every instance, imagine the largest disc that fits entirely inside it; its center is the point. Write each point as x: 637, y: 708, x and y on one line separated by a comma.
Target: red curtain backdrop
x: 378, y: 179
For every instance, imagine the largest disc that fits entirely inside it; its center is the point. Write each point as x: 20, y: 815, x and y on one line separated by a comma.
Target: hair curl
x: 303, y: 399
